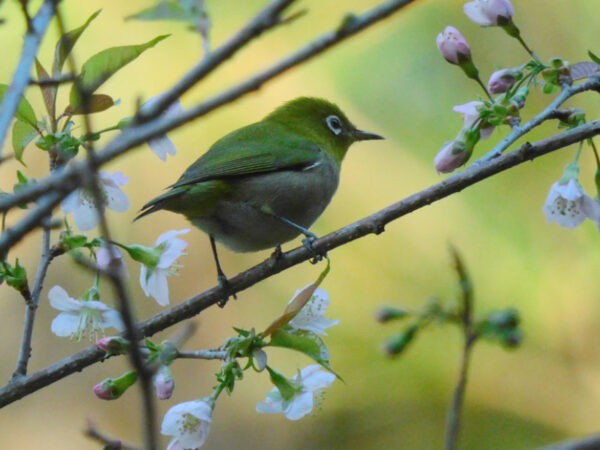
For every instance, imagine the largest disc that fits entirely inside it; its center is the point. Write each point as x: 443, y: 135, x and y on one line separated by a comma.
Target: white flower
x: 568, y: 204
x: 312, y: 316
x: 153, y: 278
x: 311, y: 381
x: 162, y: 145
x: 79, y: 316
x: 103, y: 259
x: 188, y: 423
x: 488, y: 13
x: 81, y: 201
x: 470, y: 113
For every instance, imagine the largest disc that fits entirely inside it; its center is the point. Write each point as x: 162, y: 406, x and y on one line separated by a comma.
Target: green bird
x: 265, y: 183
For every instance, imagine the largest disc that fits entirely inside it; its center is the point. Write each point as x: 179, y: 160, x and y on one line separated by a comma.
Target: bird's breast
x: 240, y: 222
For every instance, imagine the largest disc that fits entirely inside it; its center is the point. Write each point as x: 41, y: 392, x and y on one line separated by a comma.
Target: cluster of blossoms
x: 567, y: 202
x: 481, y: 117
x: 188, y: 423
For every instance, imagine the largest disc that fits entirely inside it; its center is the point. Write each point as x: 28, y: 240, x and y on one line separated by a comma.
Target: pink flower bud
x: 501, y: 81
x: 113, y: 388
x: 453, y: 46
x: 113, y: 345
x: 452, y: 155
x: 104, y: 390
x: 164, y: 384
x: 489, y: 13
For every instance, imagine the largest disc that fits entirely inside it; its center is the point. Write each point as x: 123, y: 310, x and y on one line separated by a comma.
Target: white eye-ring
x: 335, y: 124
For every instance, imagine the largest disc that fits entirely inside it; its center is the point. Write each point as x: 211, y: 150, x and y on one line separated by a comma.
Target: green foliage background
x: 390, y: 80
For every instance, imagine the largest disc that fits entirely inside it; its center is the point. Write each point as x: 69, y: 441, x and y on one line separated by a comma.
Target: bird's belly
x: 242, y: 220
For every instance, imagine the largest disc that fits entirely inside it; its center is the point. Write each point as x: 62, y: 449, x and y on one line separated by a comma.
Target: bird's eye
x: 335, y: 124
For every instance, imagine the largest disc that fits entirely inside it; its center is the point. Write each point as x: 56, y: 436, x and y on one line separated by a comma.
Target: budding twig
x: 569, y: 91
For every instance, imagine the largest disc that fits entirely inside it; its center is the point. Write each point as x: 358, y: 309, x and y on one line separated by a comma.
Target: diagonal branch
x: 20, y: 80
x: 373, y: 224
x: 269, y: 17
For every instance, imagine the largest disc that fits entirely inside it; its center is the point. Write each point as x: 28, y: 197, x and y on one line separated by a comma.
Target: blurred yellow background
x: 390, y: 80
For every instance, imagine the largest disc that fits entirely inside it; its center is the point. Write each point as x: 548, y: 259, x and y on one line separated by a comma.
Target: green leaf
x: 190, y: 11
x: 305, y: 342
x: 66, y: 43
x: 98, y: 103
x: 22, y: 134
x: 286, y: 387
x: 48, y: 91
x: 594, y: 58
x: 103, y: 65
x: 163, y: 10
x: 15, y: 276
x: 297, y: 303
x: 24, y: 112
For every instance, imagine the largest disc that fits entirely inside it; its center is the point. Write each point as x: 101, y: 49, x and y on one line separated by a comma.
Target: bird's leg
x: 307, y: 242
x: 221, y: 277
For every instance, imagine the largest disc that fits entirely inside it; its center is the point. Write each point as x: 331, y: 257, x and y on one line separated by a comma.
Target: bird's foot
x: 224, y: 284
x: 307, y: 242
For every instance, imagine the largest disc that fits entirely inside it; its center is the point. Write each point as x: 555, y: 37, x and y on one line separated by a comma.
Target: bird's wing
x: 257, y: 148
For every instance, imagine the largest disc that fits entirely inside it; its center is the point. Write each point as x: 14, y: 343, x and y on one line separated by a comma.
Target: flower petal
x: 113, y: 319
x: 162, y: 146
x: 59, y: 299
x: 86, y: 216
x: 65, y: 324
x: 301, y: 405
x: 273, y: 403
x: 156, y: 286
x: 116, y: 199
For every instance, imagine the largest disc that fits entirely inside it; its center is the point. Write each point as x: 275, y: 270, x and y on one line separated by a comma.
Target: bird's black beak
x: 360, y: 135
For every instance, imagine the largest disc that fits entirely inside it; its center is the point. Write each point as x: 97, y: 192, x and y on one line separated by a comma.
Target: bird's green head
x: 321, y: 121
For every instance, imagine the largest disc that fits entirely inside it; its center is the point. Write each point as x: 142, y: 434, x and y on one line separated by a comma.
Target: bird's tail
x: 160, y: 202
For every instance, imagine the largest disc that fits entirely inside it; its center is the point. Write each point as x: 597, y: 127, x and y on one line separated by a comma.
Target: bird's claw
x: 308, y: 245
x: 224, y: 284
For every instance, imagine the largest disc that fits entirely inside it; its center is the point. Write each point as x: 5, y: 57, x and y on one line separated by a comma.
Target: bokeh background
x: 390, y: 80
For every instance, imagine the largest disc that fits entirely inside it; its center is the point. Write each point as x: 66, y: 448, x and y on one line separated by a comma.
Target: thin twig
x: 454, y: 413
x: 55, y: 81
x: 373, y: 224
x: 568, y: 91
x: 20, y: 80
x: 470, y: 337
x: 203, y: 354
x: 44, y: 207
x: 45, y: 259
x: 267, y: 18
x: 109, y: 442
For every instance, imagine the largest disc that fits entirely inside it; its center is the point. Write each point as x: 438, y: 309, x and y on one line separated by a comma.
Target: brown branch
x: 373, y: 224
